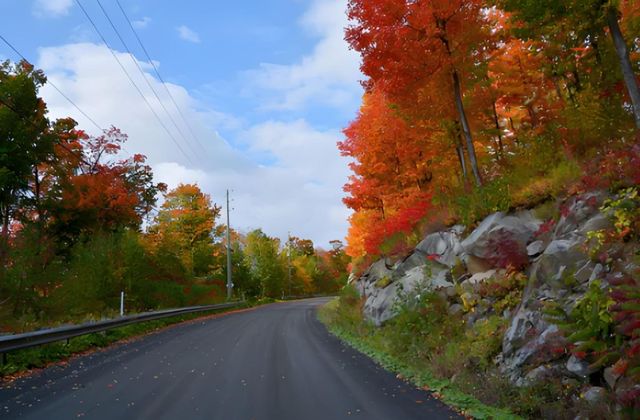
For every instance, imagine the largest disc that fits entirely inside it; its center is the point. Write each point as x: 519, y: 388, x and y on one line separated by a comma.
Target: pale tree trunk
x: 625, y: 63
x: 463, y: 165
x: 466, y: 130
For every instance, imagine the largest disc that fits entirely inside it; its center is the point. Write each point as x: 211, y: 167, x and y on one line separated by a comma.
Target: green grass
x: 344, y: 324
x: 37, y: 357
x: 439, y: 352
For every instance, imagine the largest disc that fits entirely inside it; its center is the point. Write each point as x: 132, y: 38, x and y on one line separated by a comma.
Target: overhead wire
x: 122, y: 67
x: 144, y: 76
x: 53, y: 85
x: 24, y: 118
x: 50, y: 82
x: 157, y: 72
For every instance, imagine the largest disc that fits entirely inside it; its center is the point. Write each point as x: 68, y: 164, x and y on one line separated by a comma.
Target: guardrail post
x: 122, y: 303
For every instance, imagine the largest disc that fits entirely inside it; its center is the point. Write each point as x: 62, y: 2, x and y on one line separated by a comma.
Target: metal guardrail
x: 40, y: 337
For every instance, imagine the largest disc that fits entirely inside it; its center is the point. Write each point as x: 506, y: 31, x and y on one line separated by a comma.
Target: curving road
x: 275, y: 362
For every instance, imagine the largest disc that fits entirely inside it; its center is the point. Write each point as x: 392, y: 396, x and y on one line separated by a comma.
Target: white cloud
x: 92, y: 78
x: 329, y: 74
x: 52, y: 8
x: 299, y: 192
x: 141, y: 23
x: 187, y: 34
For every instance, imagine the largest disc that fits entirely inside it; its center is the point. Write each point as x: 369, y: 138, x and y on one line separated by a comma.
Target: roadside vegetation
x: 426, y: 345
x: 474, y: 107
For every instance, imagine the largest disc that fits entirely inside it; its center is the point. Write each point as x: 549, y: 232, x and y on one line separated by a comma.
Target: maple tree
x: 508, y: 88
x: 583, y: 23
x: 186, y: 224
x: 391, y: 166
x: 87, y: 188
x: 423, y: 48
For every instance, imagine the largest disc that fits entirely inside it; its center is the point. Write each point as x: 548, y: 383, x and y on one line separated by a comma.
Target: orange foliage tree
x: 87, y: 189
x: 185, y: 226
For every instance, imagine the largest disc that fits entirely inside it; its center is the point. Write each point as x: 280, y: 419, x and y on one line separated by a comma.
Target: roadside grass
x: 434, y: 351
x: 22, y: 361
x: 347, y: 324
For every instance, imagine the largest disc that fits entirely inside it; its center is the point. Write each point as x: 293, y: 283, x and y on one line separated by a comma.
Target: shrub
x: 508, y: 253
x: 589, y: 324
x: 624, y: 212
x: 505, y: 290
x: 480, y: 202
x: 613, y: 168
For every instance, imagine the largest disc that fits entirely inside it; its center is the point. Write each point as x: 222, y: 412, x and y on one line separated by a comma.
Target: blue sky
x: 266, y: 86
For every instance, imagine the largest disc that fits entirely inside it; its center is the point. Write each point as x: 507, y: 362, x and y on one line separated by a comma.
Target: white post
x: 122, y: 303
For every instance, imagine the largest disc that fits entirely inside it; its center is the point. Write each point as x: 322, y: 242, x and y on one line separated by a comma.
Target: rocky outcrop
x: 553, y: 258
x: 443, y: 247
x: 432, y: 265
x: 515, y: 231
x: 428, y: 267
x: 561, y: 273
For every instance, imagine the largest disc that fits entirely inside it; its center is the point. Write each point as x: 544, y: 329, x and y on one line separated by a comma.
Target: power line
x: 146, y: 79
x: 55, y: 87
x: 24, y: 118
x: 155, y: 68
x: 132, y: 82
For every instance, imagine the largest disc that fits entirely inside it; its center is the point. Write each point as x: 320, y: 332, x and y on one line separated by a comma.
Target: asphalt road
x: 275, y: 362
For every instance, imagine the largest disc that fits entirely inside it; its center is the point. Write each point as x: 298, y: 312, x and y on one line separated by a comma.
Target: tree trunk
x: 625, y: 63
x: 497, y: 123
x: 466, y: 130
x: 463, y: 165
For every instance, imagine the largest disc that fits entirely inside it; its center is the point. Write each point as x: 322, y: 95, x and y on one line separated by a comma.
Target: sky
x: 263, y: 90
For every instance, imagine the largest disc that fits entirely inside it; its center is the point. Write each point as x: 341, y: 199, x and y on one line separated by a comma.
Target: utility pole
x: 229, y: 282
x: 289, y: 260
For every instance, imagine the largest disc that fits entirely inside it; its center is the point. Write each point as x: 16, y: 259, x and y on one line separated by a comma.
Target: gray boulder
x: 443, y: 247
x: 595, y: 394
x: 484, y: 276
x: 380, y: 305
x: 377, y: 271
x: 499, y: 229
x: 535, y: 352
x: 577, y: 211
x: 578, y: 367
x: 535, y: 248
x: 563, y: 257
x: 415, y: 259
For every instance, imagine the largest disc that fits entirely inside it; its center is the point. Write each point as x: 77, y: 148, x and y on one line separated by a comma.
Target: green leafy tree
x: 245, y: 283
x: 263, y: 256
x: 25, y: 139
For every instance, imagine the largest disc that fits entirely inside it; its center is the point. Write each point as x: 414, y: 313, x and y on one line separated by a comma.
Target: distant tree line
x: 79, y: 224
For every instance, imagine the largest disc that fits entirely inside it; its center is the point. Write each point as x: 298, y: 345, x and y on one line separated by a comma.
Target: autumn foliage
x: 472, y: 106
